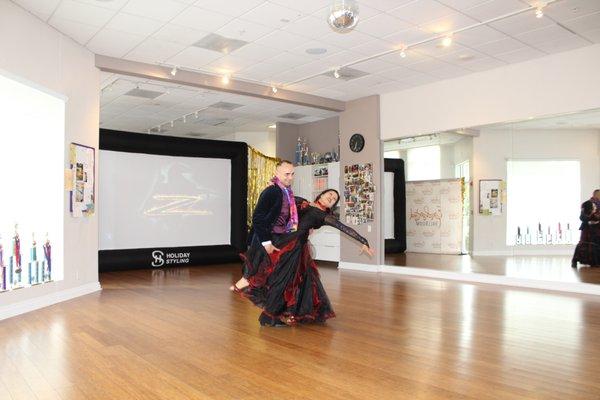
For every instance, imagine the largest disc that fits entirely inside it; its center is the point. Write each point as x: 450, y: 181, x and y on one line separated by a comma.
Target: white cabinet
x: 326, y: 240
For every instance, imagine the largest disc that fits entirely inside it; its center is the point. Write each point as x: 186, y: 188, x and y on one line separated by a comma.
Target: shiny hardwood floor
x: 180, y: 334
x: 547, y: 268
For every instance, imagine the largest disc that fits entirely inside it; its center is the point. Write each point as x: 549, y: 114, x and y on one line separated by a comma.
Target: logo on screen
x: 159, y: 261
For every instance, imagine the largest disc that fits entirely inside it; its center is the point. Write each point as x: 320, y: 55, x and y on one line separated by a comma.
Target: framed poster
x: 82, y: 159
x: 490, y: 196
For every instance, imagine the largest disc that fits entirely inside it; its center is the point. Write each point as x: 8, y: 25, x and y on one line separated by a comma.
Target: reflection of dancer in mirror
x: 286, y: 284
x: 48, y: 257
x: 588, y: 249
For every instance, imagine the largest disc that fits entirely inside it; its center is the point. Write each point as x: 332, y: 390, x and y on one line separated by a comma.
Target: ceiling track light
x: 172, y: 124
x: 184, y: 119
x: 274, y: 89
x: 403, y: 52
x: 447, y: 41
x: 225, y: 79
x: 539, y: 12
x: 174, y: 71
x: 336, y: 73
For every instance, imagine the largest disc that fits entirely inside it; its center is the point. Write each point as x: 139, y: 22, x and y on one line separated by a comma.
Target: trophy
x: 48, y: 259
x: 33, y: 263
x: 2, y: 268
x: 15, y: 261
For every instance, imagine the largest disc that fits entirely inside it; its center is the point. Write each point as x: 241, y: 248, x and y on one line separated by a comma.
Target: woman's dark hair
x: 587, y: 207
x: 329, y: 190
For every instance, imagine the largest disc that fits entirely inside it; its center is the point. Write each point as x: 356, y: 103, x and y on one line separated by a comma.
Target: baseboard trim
x: 25, y: 306
x: 527, y: 252
x: 567, y: 287
x: 359, y: 267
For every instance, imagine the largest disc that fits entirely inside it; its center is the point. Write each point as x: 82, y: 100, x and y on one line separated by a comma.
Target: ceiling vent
x: 223, y: 105
x: 143, y: 93
x: 346, y: 74
x: 219, y: 43
x: 294, y: 116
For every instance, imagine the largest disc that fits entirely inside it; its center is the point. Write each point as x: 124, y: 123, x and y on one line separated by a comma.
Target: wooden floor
x: 180, y: 334
x: 547, y: 268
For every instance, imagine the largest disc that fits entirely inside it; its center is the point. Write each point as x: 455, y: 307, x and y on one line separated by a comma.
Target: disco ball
x: 343, y: 16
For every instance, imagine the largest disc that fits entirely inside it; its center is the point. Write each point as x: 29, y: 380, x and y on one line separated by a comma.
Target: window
x: 543, y: 200
x: 32, y: 163
x: 423, y: 163
x: 392, y: 154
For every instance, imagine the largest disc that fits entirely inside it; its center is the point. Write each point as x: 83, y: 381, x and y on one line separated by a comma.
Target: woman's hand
x: 367, y: 249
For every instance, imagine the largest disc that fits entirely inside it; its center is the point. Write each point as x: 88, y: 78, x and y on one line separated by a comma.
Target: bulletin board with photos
x: 359, y: 193
x: 82, y: 160
x: 490, y: 196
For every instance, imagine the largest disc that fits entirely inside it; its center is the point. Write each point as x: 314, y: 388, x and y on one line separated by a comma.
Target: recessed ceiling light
x: 466, y: 57
x: 174, y: 71
x: 225, y: 79
x: 284, y: 20
x: 447, y: 41
x: 316, y: 50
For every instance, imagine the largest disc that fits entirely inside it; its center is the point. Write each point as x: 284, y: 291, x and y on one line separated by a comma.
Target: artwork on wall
x: 82, y: 159
x: 434, y: 211
x: 490, y: 196
x: 359, y: 193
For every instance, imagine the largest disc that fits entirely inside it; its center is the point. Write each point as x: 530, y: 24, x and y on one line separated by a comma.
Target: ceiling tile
x: 422, y: 11
x: 385, y: 5
x: 42, y: 8
x: 495, y: 8
x: 79, y: 32
x: 112, y: 4
x: 244, y: 30
x: 256, y: 52
x: 568, y: 9
x: 373, y: 66
x: 448, y: 23
x: 569, y: 42
x: 483, y: 64
x: 289, y: 60
x: 341, y: 58
x: 163, y: 10
x: 194, y: 57
x: 302, y: 49
x: 521, y: 23
x: 462, y: 4
x: 134, y: 24
x: 552, y: 32
x: 364, y: 12
x: 408, y: 37
x: 400, y: 73
x: 479, y: 35
x: 374, y: 47
x: 520, y: 55
x: 282, y: 40
x: 429, y: 65
x: 229, y: 64
x: 382, y: 25
x: 232, y: 8
x: 309, y: 26
x: 449, y: 71
x: 261, y: 72
x: 592, y: 35
x: 179, y: 34
x: 272, y: 15
x: 347, y: 40
x: 154, y: 51
x: 584, y: 23
x: 305, y: 6
x: 113, y: 43
x: 83, y: 13
x: 501, y: 46
x: 198, y: 18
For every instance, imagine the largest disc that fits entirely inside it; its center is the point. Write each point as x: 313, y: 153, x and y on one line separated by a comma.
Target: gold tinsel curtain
x: 260, y: 169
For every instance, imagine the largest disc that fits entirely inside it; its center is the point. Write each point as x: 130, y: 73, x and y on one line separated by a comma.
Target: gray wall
x: 322, y: 135
x: 286, y: 137
x: 362, y: 116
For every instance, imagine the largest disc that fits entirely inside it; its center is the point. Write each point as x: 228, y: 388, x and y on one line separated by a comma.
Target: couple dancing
x: 278, y: 274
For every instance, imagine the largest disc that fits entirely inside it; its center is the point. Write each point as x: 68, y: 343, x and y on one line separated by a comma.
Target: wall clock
x: 357, y: 142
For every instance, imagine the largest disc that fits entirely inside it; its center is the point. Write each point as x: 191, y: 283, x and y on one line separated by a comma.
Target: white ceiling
x: 280, y: 31
x: 581, y: 120
x: 121, y: 111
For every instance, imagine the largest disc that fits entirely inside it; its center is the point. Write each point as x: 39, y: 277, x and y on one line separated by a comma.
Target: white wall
x: 564, y: 82
x: 490, y: 152
x: 35, y: 52
x: 265, y: 142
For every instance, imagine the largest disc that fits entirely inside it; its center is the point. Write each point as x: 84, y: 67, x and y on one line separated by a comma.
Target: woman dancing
x: 286, y: 283
x: 588, y: 249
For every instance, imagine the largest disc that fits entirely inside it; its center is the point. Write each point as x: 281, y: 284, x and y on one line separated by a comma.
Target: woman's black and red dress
x: 286, y: 283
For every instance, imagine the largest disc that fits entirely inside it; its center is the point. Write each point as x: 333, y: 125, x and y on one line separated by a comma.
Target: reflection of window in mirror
x: 423, y: 163
x: 543, y: 199
x: 395, y: 154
